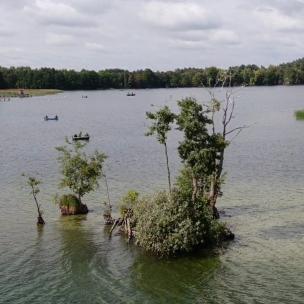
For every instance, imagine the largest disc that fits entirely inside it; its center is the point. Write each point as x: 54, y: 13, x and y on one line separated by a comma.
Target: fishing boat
x: 46, y: 118
x: 81, y: 137
x: 131, y: 94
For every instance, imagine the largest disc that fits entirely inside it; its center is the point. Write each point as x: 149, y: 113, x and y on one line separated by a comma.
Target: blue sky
x: 161, y: 35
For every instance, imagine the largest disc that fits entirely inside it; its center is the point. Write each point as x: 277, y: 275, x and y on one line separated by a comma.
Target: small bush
x: 299, y: 115
x: 69, y: 200
x: 169, y: 225
x: 128, y: 202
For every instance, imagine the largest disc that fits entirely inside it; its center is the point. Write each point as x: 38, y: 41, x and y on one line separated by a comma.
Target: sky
x: 160, y: 35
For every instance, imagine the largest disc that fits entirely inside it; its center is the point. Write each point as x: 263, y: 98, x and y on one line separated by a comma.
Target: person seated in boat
x: 46, y: 117
x: 56, y: 117
x: 86, y: 135
x: 75, y: 136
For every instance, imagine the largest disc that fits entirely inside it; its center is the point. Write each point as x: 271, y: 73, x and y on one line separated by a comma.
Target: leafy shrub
x: 80, y: 172
x: 169, y: 225
x: 299, y: 115
x: 69, y: 200
x: 128, y: 202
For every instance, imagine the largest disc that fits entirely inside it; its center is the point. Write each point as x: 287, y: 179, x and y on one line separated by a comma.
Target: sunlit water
x: 72, y: 260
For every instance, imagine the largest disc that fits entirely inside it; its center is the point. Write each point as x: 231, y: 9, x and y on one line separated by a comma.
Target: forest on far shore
x: 244, y: 75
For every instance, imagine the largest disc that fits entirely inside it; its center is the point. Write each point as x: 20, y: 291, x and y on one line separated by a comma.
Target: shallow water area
x: 72, y: 259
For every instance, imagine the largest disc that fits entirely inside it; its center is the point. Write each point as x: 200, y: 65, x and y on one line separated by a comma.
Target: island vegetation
x: 244, y: 75
x: 80, y: 173
x: 166, y: 223
x: 185, y: 217
x: 299, y: 115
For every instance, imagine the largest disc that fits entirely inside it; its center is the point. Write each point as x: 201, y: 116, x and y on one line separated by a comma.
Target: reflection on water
x: 183, y: 280
x: 72, y: 259
x: 76, y: 255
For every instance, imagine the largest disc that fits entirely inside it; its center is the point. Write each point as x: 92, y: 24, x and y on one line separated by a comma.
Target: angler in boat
x: 80, y: 136
x: 46, y: 117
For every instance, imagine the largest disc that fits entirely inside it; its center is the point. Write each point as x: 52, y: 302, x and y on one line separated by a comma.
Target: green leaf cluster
x: 80, y: 172
x: 161, y: 125
x: 169, y: 225
x: 33, y: 183
x: 68, y: 200
x: 128, y: 202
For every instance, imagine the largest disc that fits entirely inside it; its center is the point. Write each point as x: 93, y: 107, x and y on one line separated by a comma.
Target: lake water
x: 71, y: 260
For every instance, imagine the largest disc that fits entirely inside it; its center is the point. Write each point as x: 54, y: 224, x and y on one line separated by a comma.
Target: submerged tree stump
x: 108, y: 218
x: 40, y: 220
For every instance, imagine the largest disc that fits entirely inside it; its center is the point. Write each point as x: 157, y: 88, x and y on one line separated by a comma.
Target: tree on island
x: 80, y: 173
x: 198, y: 147
x: 185, y: 218
x: 33, y: 183
x: 161, y: 125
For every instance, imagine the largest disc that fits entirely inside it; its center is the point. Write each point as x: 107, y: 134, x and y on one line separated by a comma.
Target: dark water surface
x: 71, y: 260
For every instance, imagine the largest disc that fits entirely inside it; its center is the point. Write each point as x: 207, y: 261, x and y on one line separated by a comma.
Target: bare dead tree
x: 227, y: 108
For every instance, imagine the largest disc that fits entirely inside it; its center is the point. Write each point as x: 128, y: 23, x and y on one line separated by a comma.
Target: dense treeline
x: 46, y: 78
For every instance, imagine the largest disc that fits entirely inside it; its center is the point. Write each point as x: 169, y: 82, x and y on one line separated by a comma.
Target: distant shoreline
x: 291, y: 73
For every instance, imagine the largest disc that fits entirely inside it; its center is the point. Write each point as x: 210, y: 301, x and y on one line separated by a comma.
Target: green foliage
x: 201, y: 147
x: 172, y: 224
x: 184, y: 181
x: 33, y: 183
x: 299, y: 115
x: 128, y: 201
x: 161, y: 125
x: 68, y: 200
x: 196, y: 149
x: 80, y: 172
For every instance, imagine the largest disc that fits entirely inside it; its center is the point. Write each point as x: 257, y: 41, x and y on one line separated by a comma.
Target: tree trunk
x: 194, y: 188
x: 213, y: 194
x: 40, y: 220
x: 168, y: 168
x: 215, y: 184
x: 220, y: 165
x: 129, y: 228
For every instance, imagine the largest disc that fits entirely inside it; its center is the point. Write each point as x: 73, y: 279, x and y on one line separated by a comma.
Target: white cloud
x: 57, y: 13
x: 177, y: 16
x: 227, y: 37
x: 277, y: 20
x: 60, y: 40
x: 94, y: 46
x: 157, y: 34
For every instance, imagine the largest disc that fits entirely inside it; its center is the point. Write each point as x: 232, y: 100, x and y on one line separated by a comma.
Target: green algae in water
x: 299, y: 115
